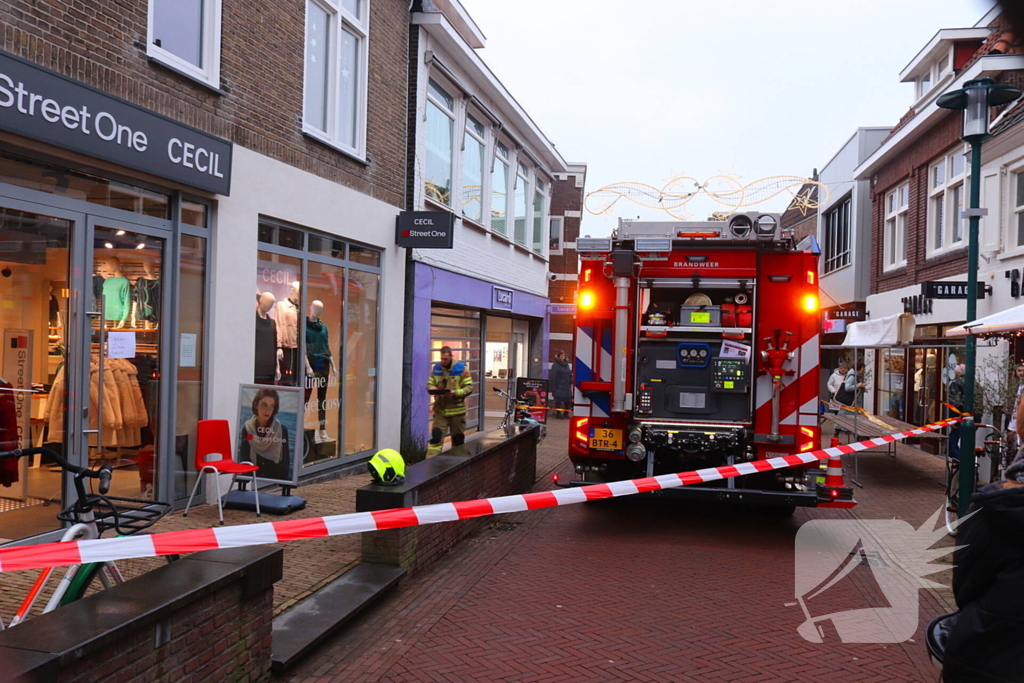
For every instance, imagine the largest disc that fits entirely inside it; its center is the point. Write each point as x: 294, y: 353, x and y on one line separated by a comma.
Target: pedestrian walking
x: 955, y: 397
x: 449, y: 383
x: 835, y: 382
x: 1015, y: 412
x: 561, y: 385
x: 983, y: 642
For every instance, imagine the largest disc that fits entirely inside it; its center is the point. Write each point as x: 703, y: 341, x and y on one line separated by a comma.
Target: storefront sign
x: 502, y: 299
x: 534, y: 392
x: 46, y: 106
x: 561, y: 309
x: 949, y: 290
x: 425, y: 229
x: 269, y: 430
x: 918, y: 305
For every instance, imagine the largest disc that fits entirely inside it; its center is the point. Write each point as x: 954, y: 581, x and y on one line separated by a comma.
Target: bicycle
x: 518, y: 412
x: 999, y: 455
x: 90, y: 516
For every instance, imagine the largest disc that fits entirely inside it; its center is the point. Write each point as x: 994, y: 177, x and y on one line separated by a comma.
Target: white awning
x: 880, y: 333
x: 1010, y: 320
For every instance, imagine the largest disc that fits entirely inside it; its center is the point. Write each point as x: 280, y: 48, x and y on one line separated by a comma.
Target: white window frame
x: 208, y: 75
x: 561, y: 233
x: 935, y: 76
x: 468, y: 130
x: 496, y: 158
x: 360, y: 26
x: 452, y: 112
x: 894, y: 233
x: 837, y: 226
x: 523, y: 171
x: 1016, y: 244
x: 544, y: 190
x: 941, y: 229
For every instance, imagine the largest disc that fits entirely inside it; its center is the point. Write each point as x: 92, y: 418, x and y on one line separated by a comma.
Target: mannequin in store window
x: 146, y: 298
x: 267, y: 370
x: 288, y: 335
x: 319, y: 365
x: 117, y: 298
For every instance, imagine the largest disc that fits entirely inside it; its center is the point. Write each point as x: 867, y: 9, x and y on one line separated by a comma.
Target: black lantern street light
x: 976, y: 100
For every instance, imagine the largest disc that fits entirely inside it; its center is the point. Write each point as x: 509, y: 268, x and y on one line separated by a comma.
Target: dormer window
x: 924, y: 84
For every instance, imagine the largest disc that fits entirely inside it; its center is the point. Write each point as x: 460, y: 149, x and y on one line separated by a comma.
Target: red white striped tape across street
x: 181, y: 542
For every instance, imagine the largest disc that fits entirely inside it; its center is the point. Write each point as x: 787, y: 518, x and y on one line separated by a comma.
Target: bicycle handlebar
x: 57, y: 457
x: 105, y: 472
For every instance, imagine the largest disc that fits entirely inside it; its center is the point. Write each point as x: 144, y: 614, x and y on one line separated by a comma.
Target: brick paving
x: 635, y: 590
x: 308, y: 565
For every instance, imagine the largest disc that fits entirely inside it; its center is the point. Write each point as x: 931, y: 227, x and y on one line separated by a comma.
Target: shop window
x: 891, y: 371
x: 194, y: 213
x: 185, y: 36
x: 539, y: 209
x: 1018, y: 210
x: 460, y: 330
x: 555, y: 225
x: 334, y: 100
x: 316, y: 328
x: 473, y: 147
x: 35, y: 175
x: 191, y: 366
x: 521, y: 205
x: 437, y: 176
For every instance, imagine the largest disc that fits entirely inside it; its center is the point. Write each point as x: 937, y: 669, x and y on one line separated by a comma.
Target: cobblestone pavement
x: 308, y: 565
x: 636, y: 590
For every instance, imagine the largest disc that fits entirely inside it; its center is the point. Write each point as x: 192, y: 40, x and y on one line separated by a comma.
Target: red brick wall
x: 912, y: 165
x: 102, y: 43
x: 565, y: 196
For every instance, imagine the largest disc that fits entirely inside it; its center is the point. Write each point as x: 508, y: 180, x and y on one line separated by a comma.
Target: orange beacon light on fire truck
x: 809, y: 303
x: 587, y: 299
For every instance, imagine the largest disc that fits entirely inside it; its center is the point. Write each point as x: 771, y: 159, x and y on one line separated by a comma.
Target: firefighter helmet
x: 387, y: 467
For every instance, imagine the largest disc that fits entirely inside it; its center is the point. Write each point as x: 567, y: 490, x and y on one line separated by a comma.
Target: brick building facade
x: 567, y: 193
x: 220, y: 176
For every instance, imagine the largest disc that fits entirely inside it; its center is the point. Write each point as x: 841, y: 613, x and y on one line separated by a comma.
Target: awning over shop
x: 881, y: 333
x: 1010, y: 320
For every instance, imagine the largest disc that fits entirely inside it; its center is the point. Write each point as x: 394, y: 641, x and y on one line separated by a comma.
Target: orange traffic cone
x: 834, y: 493
x: 834, y: 473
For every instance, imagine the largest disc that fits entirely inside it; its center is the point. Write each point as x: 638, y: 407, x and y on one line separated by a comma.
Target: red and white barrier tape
x: 180, y: 542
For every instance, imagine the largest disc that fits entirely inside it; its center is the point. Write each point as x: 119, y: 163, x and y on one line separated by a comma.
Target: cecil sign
x: 43, y: 105
x: 425, y: 229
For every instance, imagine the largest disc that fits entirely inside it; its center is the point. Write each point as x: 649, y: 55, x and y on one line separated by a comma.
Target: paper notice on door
x: 731, y: 349
x: 120, y: 345
x: 187, y: 351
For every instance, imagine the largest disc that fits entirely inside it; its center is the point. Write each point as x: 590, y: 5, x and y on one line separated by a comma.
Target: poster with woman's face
x: 268, y: 425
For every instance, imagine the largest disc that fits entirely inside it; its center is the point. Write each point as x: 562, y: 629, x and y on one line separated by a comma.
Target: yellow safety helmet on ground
x: 387, y: 467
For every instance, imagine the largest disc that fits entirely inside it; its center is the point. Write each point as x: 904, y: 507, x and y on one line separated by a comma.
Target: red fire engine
x: 697, y: 346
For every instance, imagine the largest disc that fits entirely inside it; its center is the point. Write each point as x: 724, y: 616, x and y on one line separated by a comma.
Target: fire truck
x: 697, y: 346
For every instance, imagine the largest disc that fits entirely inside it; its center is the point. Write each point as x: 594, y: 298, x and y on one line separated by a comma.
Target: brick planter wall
x: 205, y: 618
x: 493, y: 466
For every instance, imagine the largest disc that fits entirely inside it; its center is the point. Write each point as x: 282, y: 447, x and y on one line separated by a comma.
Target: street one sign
x: 949, y: 290
x: 425, y: 229
x: 43, y: 105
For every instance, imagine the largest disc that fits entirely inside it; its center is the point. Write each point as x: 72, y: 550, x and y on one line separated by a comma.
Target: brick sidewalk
x: 309, y: 564
x: 635, y: 590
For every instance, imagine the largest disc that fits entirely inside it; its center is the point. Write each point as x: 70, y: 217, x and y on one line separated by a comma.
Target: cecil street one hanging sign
x: 425, y: 229
x: 46, y: 106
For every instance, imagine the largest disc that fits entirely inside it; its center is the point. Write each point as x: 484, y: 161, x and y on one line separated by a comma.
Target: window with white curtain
x: 334, y: 94
x: 499, y: 189
x: 555, y: 226
x: 437, y: 173
x: 946, y: 184
x: 897, y: 204
x: 185, y: 36
x: 473, y: 146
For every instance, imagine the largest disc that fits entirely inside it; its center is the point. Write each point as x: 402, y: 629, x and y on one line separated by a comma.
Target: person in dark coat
x: 985, y: 643
x: 561, y: 385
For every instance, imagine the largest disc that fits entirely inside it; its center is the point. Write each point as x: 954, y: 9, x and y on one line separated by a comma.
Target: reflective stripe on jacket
x: 456, y: 378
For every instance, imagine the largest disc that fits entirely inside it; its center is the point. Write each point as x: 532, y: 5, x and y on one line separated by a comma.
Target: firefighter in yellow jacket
x: 450, y: 384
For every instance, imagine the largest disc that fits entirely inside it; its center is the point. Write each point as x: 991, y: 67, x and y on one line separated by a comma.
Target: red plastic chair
x: 213, y: 437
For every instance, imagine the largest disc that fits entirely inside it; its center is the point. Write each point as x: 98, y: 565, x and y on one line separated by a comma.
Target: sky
x: 649, y: 90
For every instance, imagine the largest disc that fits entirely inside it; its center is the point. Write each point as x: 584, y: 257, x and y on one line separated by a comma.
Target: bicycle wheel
x: 952, y: 497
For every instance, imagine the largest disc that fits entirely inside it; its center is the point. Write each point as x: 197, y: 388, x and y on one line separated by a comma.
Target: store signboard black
x: 43, y: 105
x: 425, y: 230
x: 534, y: 393
x: 949, y: 290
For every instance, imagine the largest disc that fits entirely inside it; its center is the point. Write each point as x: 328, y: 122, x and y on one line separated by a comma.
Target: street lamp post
x: 975, y: 100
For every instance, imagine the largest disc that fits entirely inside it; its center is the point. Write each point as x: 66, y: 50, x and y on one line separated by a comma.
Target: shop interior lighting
x: 108, y: 245
x: 119, y: 233
x: 141, y: 245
